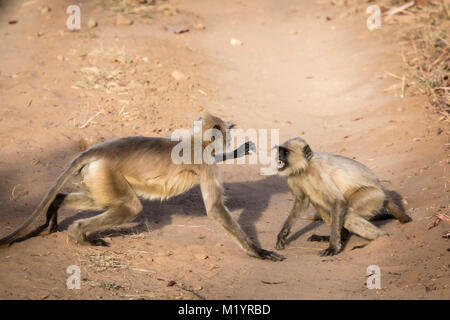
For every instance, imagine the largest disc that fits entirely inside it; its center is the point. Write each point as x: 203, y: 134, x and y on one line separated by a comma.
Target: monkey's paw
x: 281, y: 239
x: 330, y: 251
x: 281, y: 244
x: 270, y: 255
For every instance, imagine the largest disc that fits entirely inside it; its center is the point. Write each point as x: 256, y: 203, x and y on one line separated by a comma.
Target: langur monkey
x: 115, y: 173
x: 345, y: 193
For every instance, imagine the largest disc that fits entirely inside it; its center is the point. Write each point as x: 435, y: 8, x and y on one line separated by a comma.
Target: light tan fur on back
x: 115, y: 173
x: 345, y: 193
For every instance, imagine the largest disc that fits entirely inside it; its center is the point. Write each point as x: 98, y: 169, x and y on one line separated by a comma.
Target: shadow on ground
x: 251, y: 197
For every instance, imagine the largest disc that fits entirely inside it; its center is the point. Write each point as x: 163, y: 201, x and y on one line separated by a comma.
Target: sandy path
x: 300, y: 73
x: 322, y: 80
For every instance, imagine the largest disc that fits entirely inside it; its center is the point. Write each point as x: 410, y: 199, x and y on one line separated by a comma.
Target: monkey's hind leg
x: 114, y: 193
x: 76, y: 200
x: 362, y: 206
x: 363, y: 228
x: 51, y: 223
x: 112, y: 217
x: 72, y: 200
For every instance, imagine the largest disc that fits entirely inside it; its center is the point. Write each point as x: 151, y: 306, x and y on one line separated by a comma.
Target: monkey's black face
x: 283, y: 154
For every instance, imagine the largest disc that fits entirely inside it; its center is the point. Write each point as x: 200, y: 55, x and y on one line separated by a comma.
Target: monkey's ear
x: 307, y: 152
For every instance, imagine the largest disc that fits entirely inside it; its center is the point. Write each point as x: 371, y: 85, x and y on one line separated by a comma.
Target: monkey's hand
x: 269, y: 255
x: 242, y: 150
x: 247, y: 147
x: 330, y: 251
x: 281, y: 239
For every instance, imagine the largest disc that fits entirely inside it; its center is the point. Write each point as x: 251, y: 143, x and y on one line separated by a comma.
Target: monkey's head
x: 215, y: 128
x: 293, y: 157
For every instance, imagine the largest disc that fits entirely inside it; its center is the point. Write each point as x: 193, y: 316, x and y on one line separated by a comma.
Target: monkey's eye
x: 285, y: 152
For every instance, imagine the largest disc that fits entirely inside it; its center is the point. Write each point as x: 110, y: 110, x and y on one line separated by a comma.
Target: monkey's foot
x: 270, y: 255
x: 281, y: 244
x: 80, y: 238
x: 330, y: 251
x: 95, y: 242
x: 49, y: 230
x: 318, y: 238
x: 281, y: 238
x: 76, y: 236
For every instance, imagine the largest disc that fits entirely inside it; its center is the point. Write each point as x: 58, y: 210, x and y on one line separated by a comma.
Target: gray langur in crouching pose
x: 115, y: 173
x: 345, y: 193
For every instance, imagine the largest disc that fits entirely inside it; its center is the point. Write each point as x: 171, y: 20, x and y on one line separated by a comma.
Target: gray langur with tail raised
x: 115, y: 173
x: 345, y: 193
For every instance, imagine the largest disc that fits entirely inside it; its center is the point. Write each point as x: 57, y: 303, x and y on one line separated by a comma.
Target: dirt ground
x: 306, y: 68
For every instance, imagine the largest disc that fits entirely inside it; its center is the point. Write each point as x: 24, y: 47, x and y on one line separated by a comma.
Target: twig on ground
x: 399, y: 9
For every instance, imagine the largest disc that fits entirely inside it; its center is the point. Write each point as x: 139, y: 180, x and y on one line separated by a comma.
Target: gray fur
x: 345, y: 193
x: 114, y: 174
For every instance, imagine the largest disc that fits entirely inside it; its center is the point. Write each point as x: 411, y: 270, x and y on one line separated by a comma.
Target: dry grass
x: 422, y: 30
x: 427, y: 54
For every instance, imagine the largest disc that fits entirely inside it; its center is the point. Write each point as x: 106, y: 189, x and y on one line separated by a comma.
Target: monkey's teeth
x: 280, y: 164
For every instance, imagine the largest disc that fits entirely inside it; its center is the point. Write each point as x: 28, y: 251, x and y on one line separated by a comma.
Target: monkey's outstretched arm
x: 301, y: 203
x: 211, y: 189
x: 337, y: 213
x: 242, y: 150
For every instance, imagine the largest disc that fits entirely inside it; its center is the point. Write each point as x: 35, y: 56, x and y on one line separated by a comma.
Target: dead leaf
x: 439, y: 217
x: 434, y: 224
x: 177, y: 29
x: 171, y: 283
x: 442, y: 216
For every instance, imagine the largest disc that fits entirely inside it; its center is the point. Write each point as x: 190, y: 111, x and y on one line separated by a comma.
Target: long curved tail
x: 397, y: 211
x: 74, y: 167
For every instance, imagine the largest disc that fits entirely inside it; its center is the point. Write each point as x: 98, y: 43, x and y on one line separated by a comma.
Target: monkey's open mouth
x: 281, y: 165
